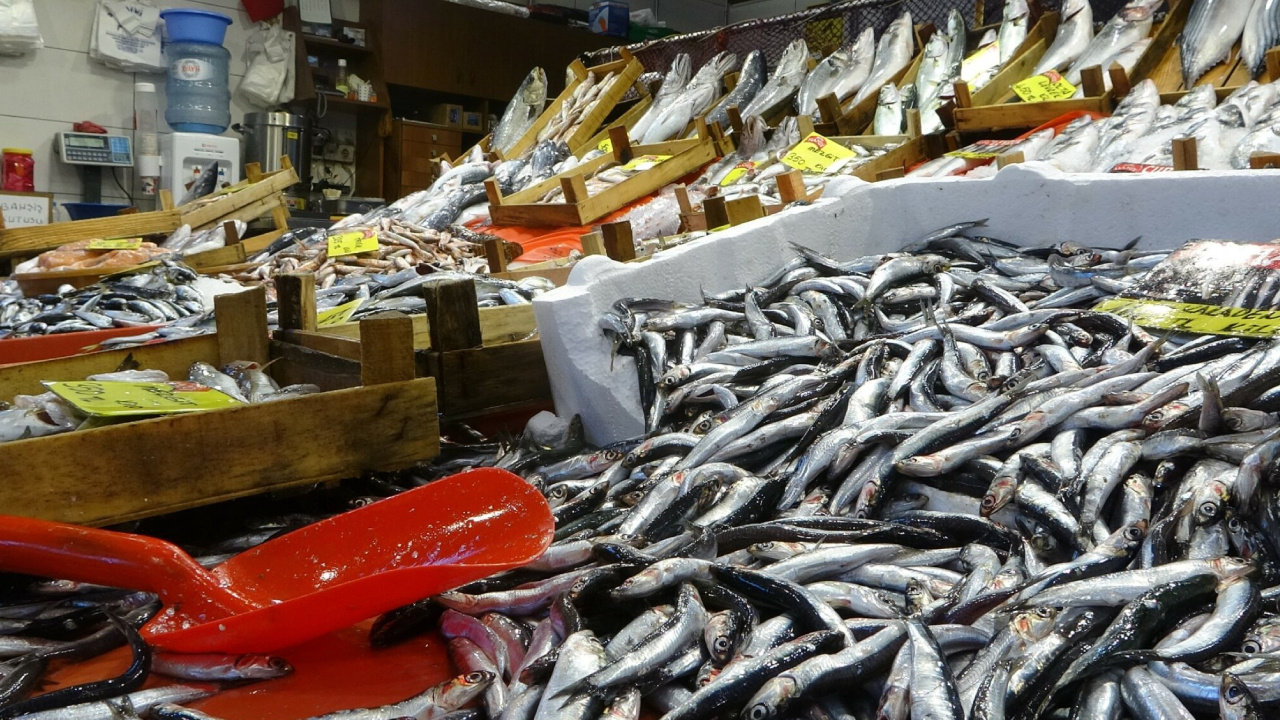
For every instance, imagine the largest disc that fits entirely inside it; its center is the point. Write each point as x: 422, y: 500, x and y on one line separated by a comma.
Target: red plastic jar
x: 19, y: 170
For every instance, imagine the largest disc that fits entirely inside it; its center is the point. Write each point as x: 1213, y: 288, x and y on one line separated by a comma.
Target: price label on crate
x: 1195, y: 317
x: 984, y: 149
x: 115, y: 244
x: 351, y: 243
x: 737, y: 173
x: 1048, y: 85
x: 817, y: 154
x: 605, y: 146
x: 337, y: 315
x: 119, y: 399
x: 645, y: 162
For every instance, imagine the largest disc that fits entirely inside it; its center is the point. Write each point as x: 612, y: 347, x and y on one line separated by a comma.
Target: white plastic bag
x: 126, y: 36
x: 269, y: 60
x: 19, y: 30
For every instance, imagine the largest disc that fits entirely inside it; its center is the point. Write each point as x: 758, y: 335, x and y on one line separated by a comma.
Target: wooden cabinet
x: 451, y: 48
x: 413, y: 156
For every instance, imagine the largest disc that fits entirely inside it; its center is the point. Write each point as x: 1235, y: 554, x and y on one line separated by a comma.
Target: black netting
x: 823, y: 28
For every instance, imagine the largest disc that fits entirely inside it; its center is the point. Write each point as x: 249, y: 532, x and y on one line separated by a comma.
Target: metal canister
x: 270, y: 135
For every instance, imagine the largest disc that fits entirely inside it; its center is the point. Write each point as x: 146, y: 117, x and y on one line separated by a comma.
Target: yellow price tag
x: 337, y: 315
x: 983, y: 149
x: 645, y: 162
x: 1192, y: 317
x: 817, y: 154
x: 1048, y: 85
x: 115, y: 244
x: 116, y: 399
x: 736, y: 174
x: 605, y: 146
x: 351, y: 243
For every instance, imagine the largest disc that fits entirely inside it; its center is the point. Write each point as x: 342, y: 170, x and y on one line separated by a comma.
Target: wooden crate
x: 579, y: 208
x: 124, y: 472
x: 852, y: 118
x: 481, y: 358
x: 257, y: 195
x: 626, y: 120
x: 628, y: 70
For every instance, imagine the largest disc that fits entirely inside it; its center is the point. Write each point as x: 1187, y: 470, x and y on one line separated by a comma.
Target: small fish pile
x: 577, y: 107
x: 32, y: 416
x: 403, y: 292
x: 927, y: 484
x: 78, y: 256
x: 161, y: 294
x: 401, y: 246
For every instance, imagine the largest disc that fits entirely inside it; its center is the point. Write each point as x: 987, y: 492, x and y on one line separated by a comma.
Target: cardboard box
x: 446, y: 115
x: 473, y: 121
x: 610, y: 17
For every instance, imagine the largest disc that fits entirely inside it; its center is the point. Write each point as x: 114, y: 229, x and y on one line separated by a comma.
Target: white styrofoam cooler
x: 1031, y: 204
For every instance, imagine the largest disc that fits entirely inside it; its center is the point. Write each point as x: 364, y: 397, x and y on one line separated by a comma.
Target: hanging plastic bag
x: 19, y: 31
x: 269, y: 58
x: 126, y: 36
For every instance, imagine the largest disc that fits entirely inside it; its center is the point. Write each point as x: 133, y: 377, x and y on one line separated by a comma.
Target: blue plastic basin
x: 88, y: 211
x: 202, y: 26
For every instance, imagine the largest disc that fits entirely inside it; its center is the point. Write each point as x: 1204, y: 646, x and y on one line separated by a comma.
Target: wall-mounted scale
x: 90, y: 152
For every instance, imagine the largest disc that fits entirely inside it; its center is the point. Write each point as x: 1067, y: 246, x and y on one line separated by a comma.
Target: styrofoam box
x: 1031, y: 204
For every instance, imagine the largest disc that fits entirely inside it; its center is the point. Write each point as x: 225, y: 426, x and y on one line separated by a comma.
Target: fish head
x: 463, y: 688
x: 1231, y: 568
x: 535, y: 87
x: 937, y: 45
x: 864, y: 45
x: 1035, y: 624
x: 998, y: 495
x: 1014, y: 9
x: 1210, y: 502
x: 772, y: 699
x: 889, y: 95
x: 262, y: 667
x: 1071, y: 8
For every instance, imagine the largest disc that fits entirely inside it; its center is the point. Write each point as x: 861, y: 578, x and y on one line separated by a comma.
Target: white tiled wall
x: 46, y: 91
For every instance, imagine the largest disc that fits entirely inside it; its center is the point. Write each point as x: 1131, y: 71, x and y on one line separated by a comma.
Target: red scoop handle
x: 104, y: 557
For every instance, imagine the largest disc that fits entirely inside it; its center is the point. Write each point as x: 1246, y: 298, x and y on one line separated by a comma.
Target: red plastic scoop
x: 309, y: 582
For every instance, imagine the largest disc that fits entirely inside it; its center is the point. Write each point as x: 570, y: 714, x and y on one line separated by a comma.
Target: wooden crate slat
x: 580, y: 71
x: 174, y: 357
x: 479, y: 379
x: 270, y: 184
x: 497, y: 325
x: 34, y: 240
x: 167, y: 464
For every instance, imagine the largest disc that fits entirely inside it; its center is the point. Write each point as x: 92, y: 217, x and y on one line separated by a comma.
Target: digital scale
x: 91, y: 152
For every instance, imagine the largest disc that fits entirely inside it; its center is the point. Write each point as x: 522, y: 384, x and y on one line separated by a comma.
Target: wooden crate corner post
x: 619, y: 243
x: 242, y: 326
x: 453, y: 317
x: 296, y: 301
x: 386, y: 349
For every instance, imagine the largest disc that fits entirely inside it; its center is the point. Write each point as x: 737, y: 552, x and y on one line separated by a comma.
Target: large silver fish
x: 958, y: 35
x: 890, y: 116
x: 1074, y: 33
x: 785, y: 81
x: 933, y: 69
x: 1261, y: 32
x: 1130, y: 25
x: 525, y: 107
x: 894, y: 52
x: 862, y: 55
x: 1211, y: 31
x: 673, y: 84
x: 750, y: 80
x: 1013, y: 28
x: 822, y: 80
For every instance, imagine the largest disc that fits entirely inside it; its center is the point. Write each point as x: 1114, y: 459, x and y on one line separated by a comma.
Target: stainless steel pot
x: 270, y: 135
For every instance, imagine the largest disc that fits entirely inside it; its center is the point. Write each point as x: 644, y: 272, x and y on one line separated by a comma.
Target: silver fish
x: 1131, y: 24
x: 784, y: 82
x: 1013, y: 28
x: 1261, y: 32
x: 893, y: 53
x: 1211, y: 31
x: 525, y: 107
x: 1074, y: 33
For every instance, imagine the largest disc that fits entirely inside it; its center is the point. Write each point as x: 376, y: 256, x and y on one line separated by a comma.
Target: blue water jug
x: 198, y: 91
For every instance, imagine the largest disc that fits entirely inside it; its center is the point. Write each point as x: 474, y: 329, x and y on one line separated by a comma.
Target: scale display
x: 93, y: 149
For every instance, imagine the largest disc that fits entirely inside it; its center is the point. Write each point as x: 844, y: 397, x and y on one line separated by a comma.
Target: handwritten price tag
x: 817, y: 154
x: 116, y: 399
x: 351, y: 243
x: 337, y: 315
x: 645, y: 162
x: 1045, y: 86
x: 605, y: 146
x: 737, y: 173
x: 115, y: 244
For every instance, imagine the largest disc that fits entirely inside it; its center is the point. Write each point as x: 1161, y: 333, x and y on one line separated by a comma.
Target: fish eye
x: 758, y: 712
x: 988, y: 500
x: 613, y: 455
x: 474, y: 677
x: 1133, y: 533
x: 1251, y: 647
x: 721, y: 644
x: 1209, y: 508
x: 1233, y: 692
x: 1044, y: 612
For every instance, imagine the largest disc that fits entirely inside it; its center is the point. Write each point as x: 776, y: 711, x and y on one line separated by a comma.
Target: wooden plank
x: 233, y: 254
x: 496, y: 253
x: 173, y: 357
x: 157, y: 466
x: 744, y: 209
x: 593, y: 243
x: 343, y: 347
x: 1091, y: 81
x: 1264, y: 160
x: 717, y: 215
x: 296, y: 301
x: 497, y: 325
x: 296, y: 364
x: 993, y: 118
x: 619, y: 244
x: 1184, y: 154
x: 37, y: 239
x: 386, y: 349
x: 891, y: 164
x: 454, y: 316
x: 604, y: 104
x: 791, y: 187
x: 242, y: 326
x: 473, y: 381
x: 254, y: 192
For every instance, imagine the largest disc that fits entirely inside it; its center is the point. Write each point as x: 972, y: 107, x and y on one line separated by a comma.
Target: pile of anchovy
x: 161, y: 295
x: 928, y: 484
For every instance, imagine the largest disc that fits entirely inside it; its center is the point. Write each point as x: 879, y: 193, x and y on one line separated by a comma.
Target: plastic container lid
x: 201, y: 26
x: 15, y: 151
x: 144, y: 87
x: 342, y: 63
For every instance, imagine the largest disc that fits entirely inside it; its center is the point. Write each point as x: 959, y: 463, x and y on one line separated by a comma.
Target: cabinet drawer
x: 428, y: 134
x: 427, y: 150
x: 415, y: 179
